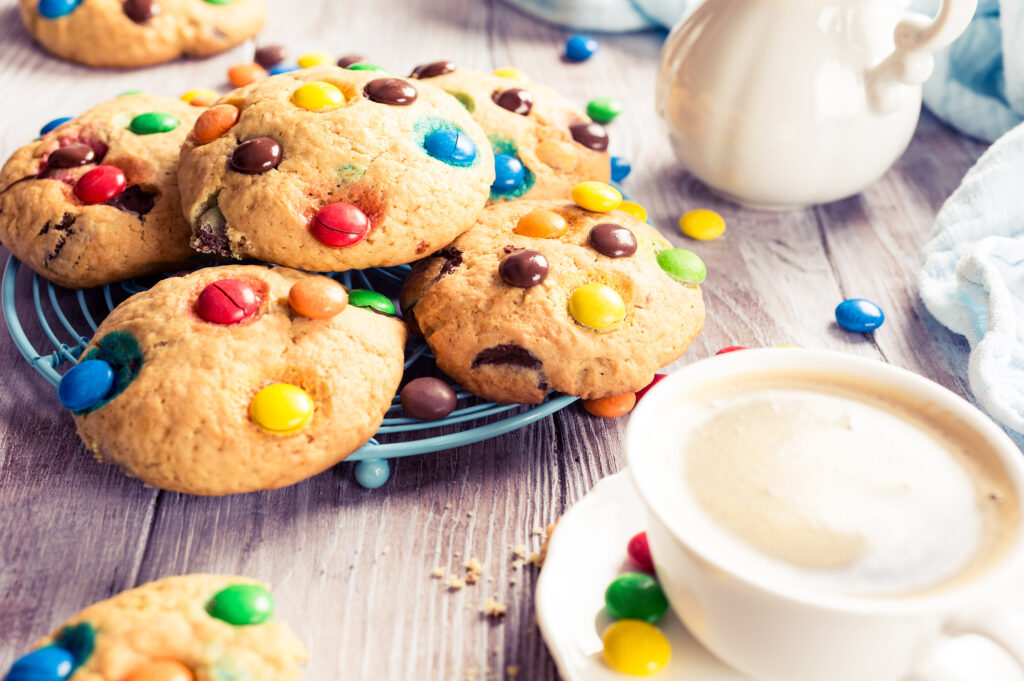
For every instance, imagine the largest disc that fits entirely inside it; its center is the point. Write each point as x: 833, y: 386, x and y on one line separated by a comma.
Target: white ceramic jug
x: 778, y: 104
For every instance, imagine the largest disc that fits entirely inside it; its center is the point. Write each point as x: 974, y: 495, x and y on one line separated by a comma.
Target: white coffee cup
x: 773, y: 631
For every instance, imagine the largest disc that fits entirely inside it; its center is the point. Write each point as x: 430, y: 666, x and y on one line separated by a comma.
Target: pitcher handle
x: 917, y: 38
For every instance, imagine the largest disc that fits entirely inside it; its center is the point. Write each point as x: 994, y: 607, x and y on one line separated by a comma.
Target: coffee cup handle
x: 1004, y: 629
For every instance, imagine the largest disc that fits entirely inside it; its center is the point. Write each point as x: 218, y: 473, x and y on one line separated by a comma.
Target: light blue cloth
x: 973, y: 276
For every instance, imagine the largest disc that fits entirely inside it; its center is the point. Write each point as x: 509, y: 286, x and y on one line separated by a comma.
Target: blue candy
x: 85, y: 384
x: 53, y: 124
x: 372, y: 473
x: 53, y: 9
x: 580, y: 47
x: 46, y: 664
x: 620, y: 168
x: 450, y: 146
x: 859, y: 315
x: 509, y: 173
x: 284, y: 68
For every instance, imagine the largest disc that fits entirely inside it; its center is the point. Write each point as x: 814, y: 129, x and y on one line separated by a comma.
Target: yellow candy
x: 513, y: 73
x: 318, y: 96
x: 634, y: 209
x: 200, y: 96
x: 315, y: 59
x: 635, y: 647
x: 596, y: 196
x: 281, y: 408
x: 597, y: 307
x: 702, y: 224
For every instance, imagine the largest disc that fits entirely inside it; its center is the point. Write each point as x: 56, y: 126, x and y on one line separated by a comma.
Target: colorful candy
x: 581, y: 47
x: 200, y: 97
x: 523, y: 269
x: 80, y: 639
x: 634, y: 209
x: 604, y: 109
x: 100, y: 184
x: 540, y: 223
x: 54, y: 9
x: 241, y: 75
x: 153, y: 122
x: 639, y: 550
x: 731, y: 348
x: 620, y: 168
x: 682, y: 265
x: 350, y: 59
x: 597, y: 306
x: 390, y: 91
x: 562, y: 156
x: 270, y: 56
x: 590, y: 134
x: 365, y: 66
x: 635, y: 595
x: 140, y: 11
x: 614, y: 241
x: 53, y: 124
x: 509, y: 173
x: 371, y: 300
x: 654, y: 381
x: 318, y: 96
x: 450, y: 146
x: 283, y: 68
x: 428, y: 398
x: 227, y: 301
x: 242, y: 604
x: 280, y: 408
x: 514, y: 99
x: 160, y: 670
x: 214, y: 122
x: 340, y: 224
x: 85, y: 384
x: 255, y: 156
x: 317, y: 297
x: 45, y: 664
x: 702, y: 224
x: 596, y: 196
x: 635, y: 647
x: 612, y: 406
x: 511, y: 72
x: 315, y: 59
x: 73, y: 155
x: 859, y: 315
x: 372, y: 473
x: 433, y: 69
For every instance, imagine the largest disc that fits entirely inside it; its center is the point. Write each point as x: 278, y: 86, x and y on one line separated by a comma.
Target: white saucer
x: 588, y: 550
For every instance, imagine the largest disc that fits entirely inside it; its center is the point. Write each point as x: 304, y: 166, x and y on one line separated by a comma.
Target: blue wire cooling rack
x: 372, y: 470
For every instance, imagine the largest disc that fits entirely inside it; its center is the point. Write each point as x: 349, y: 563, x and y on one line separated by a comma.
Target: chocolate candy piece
x: 580, y: 47
x: 85, y: 384
x: 255, y: 156
x: 859, y: 315
x: 53, y: 124
x: 514, y: 99
x: 340, y: 224
x: 428, y: 398
x: 270, y: 56
x: 524, y: 269
x: 152, y: 122
x: 507, y: 354
x: 350, y: 59
x: 612, y: 240
x: 620, y: 168
x: 393, y: 91
x: 433, y: 69
x: 71, y: 156
x: 317, y: 297
x: 281, y: 408
x: 45, y: 664
x: 53, y: 9
x: 242, y: 604
x: 590, y: 135
x: 100, y: 184
x: 133, y: 200
x: 227, y: 301
x: 78, y: 639
x: 450, y: 146
x: 635, y: 595
x: 371, y: 300
x: 140, y: 11
x: 638, y: 550
x: 509, y: 174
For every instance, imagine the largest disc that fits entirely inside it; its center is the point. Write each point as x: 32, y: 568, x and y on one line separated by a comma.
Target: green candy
x: 363, y: 66
x: 153, y: 122
x: 242, y: 604
x: 635, y: 595
x: 220, y: 2
x: 464, y: 99
x: 683, y: 265
x: 358, y: 297
x: 79, y: 640
x: 604, y: 109
x: 131, y: 92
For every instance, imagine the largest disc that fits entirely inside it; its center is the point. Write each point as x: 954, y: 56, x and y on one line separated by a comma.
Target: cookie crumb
x: 474, y: 570
x: 470, y: 514
x: 448, y: 506
x: 386, y: 550
x: 519, y: 551
x: 513, y: 581
x: 454, y: 583
x: 538, y: 531
x: 512, y: 670
x: 438, y: 572
x: 494, y: 608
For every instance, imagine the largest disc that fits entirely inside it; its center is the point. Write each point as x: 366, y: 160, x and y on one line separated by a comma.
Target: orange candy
x: 243, y: 74
x: 317, y: 297
x: 160, y: 670
x: 542, y: 223
x: 610, y: 407
x: 214, y: 122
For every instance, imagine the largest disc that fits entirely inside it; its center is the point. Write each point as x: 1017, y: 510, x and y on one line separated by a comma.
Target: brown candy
x: 591, y: 135
x: 612, y: 240
x: 72, y: 156
x: 524, y: 269
x: 393, y: 91
x: 433, y: 69
x: 350, y: 59
x: 214, y: 122
x: 134, y: 199
x: 428, y: 398
x: 255, y: 156
x: 270, y: 56
x: 514, y: 99
x: 140, y: 11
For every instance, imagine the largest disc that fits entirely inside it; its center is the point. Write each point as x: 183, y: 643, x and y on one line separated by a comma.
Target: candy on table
x: 340, y: 224
x: 612, y: 240
x: 523, y: 269
x: 160, y: 670
x: 541, y: 223
x: 390, y: 91
x: 270, y: 56
x: 682, y: 265
x: 514, y: 99
x: 591, y: 135
x: 597, y: 307
x: 240, y: 75
x: 637, y: 596
x: 597, y: 197
x: 214, y: 122
x: 318, y: 96
x: 581, y: 47
x: 635, y: 647
x: 513, y: 73
x: 371, y: 300
x: 256, y: 155
x: 654, y: 381
x: 450, y: 146
x: 372, y: 473
x: 85, y: 384
x: 53, y: 9
x: 634, y: 209
x: 620, y: 168
x: 317, y: 297
x: 612, y: 406
x: 428, y: 398
x: 604, y: 109
x: 200, y: 96
x: 639, y: 552
x: 859, y: 315
x: 509, y: 173
x: 365, y: 66
x: 44, y: 664
x: 153, y: 122
x: 350, y: 59
x: 100, y: 184
x: 241, y: 604
x: 227, y: 301
x: 731, y: 348
x: 281, y: 408
x: 702, y: 224
x: 315, y: 59
x: 53, y: 124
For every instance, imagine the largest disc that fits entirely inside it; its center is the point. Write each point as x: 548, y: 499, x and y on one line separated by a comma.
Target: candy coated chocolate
x: 45, y: 664
x: 620, y: 168
x: 450, y: 146
x: 541, y: 223
x: 509, y: 173
x: 350, y: 59
x: 270, y: 56
x: 591, y: 135
x: 371, y: 300
x: 340, y: 224
x: 638, y: 550
x: 580, y: 47
x: 100, y: 184
x: 140, y: 11
x: 682, y: 265
x: 428, y: 398
x: 153, y: 122
x: 393, y: 91
x: 227, y: 301
x: 73, y: 155
x: 317, y: 297
x: 85, y: 384
x: 242, y: 604
x: 53, y: 9
x: 255, y: 156
x: 281, y: 409
x: 516, y: 100
x: 859, y: 315
x: 214, y: 122
x: 658, y: 378
x: 53, y: 124
x: 604, y: 109
x: 612, y: 240
x: 433, y: 69
x: 524, y: 269
x: 636, y: 596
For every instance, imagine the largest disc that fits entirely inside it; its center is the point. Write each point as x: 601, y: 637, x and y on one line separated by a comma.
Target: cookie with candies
x: 234, y: 379
x: 130, y: 33
x: 95, y: 200
x: 550, y: 295
x: 182, y: 628
x: 543, y: 145
x: 333, y: 169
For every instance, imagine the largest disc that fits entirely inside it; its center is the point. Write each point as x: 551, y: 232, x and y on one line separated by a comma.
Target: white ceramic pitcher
x: 778, y: 104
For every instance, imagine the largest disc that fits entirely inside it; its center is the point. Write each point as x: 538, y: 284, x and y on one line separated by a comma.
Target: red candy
x: 100, y: 184
x: 731, y: 348
x: 643, y: 391
x: 340, y: 224
x: 227, y: 301
x: 640, y: 552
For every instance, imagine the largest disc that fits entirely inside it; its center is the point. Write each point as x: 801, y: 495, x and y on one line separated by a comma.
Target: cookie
x: 333, y: 169
x: 233, y: 379
x: 543, y: 145
x: 130, y: 33
x: 201, y: 627
x: 96, y: 199
x: 544, y: 295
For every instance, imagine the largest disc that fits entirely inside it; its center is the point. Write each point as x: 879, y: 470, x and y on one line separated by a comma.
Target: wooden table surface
x: 351, y: 568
